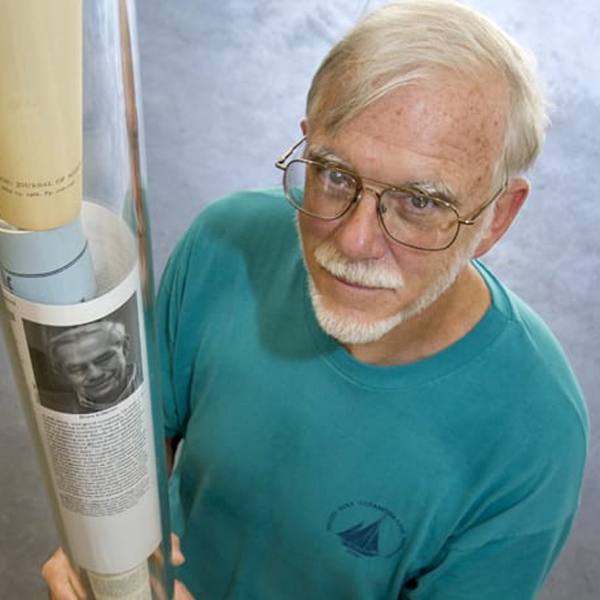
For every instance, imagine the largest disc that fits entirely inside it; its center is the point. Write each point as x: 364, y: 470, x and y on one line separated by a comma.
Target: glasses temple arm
x: 473, y: 218
x: 280, y: 163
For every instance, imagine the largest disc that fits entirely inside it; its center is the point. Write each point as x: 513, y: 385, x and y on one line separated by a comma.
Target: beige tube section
x: 40, y: 112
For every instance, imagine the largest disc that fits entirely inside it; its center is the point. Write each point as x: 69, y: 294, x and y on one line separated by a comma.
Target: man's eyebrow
x: 437, y: 190
x: 316, y: 152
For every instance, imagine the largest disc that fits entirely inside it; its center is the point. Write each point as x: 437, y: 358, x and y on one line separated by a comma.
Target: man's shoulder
x: 256, y: 223
x: 516, y: 311
x: 246, y: 234
x: 257, y: 208
x: 531, y: 360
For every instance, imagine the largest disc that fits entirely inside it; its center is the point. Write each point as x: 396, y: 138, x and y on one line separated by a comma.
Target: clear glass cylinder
x: 77, y: 285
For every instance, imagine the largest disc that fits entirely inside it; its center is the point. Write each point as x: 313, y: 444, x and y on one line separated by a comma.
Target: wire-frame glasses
x: 408, y: 216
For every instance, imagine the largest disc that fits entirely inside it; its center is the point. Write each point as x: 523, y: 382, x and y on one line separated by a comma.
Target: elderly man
x: 368, y: 413
x: 93, y: 359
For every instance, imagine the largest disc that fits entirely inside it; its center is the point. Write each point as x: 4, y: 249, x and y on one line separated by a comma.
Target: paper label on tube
x: 86, y: 370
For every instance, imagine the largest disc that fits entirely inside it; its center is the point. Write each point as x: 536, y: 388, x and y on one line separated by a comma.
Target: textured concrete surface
x: 224, y: 85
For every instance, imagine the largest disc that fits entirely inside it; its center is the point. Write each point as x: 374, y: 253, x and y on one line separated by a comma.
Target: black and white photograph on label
x: 87, y: 368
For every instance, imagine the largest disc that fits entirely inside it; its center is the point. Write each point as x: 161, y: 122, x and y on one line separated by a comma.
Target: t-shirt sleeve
x: 175, y: 363
x: 499, y: 569
x: 197, y: 278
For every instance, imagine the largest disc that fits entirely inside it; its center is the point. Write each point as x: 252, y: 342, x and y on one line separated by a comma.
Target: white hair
x: 411, y: 41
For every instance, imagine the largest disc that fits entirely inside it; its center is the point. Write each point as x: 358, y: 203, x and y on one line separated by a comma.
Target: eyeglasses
x: 408, y: 216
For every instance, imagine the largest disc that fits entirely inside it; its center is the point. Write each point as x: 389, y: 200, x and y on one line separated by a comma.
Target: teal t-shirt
x: 307, y: 474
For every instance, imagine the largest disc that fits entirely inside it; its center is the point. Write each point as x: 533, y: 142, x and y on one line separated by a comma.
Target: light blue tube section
x: 49, y: 267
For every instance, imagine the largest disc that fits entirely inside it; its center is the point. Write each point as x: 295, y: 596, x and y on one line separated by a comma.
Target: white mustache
x: 366, y: 273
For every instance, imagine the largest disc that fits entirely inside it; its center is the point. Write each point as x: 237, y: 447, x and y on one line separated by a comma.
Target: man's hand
x: 180, y: 592
x: 64, y: 584
x: 62, y: 579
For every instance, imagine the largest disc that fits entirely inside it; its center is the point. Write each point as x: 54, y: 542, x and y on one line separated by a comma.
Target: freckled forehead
x: 455, y: 120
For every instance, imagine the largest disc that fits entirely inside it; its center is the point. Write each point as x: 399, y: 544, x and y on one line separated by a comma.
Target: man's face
x: 94, y: 365
x: 446, y: 136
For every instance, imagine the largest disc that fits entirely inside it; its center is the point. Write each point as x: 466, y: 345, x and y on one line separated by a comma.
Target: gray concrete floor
x: 224, y: 85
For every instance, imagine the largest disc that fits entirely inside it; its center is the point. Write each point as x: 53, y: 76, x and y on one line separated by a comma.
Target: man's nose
x: 93, y: 371
x: 359, y: 234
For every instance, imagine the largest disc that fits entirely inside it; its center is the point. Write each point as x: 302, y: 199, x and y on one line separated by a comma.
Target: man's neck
x: 444, y: 322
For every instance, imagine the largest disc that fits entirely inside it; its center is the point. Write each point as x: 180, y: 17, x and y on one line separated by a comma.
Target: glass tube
x: 77, y: 285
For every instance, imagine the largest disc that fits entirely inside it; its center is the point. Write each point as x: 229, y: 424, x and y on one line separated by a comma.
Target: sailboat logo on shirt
x: 367, y: 529
x: 363, y: 539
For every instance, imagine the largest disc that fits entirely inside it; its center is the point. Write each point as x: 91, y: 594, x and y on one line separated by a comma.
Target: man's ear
x: 506, y: 208
x: 304, y: 126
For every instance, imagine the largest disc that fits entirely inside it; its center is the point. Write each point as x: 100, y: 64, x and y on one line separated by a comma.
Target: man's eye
x: 405, y: 201
x: 421, y: 202
x: 105, y: 358
x: 337, y: 178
